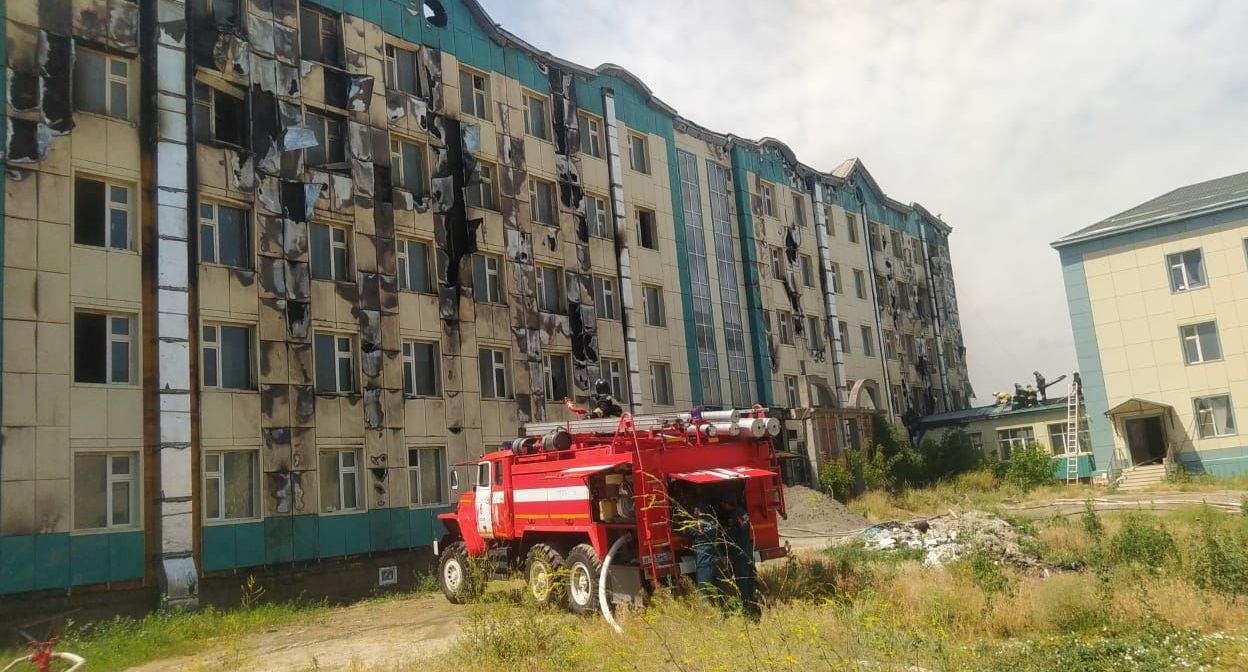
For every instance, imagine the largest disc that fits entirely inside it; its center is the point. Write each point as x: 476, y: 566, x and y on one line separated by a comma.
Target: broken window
x: 814, y: 335
x: 827, y: 214
x: 481, y: 195
x: 890, y: 345
x: 103, y: 347
x: 851, y: 227
x: 335, y: 363
x: 535, y: 121
x: 877, y: 241
x: 604, y: 297
x: 226, y: 359
x: 106, y: 490
x: 647, y: 232
x: 420, y: 369
x: 661, y: 384
x: 1200, y: 342
x: 541, y: 201
x: 474, y: 93
x: 898, y: 249
x: 652, y: 300
x: 425, y: 476
x: 409, y: 167
x: 224, y: 235
x: 494, y: 364
x: 808, y: 271
x: 231, y: 485
x: 799, y: 213
x: 550, y: 290
x: 415, y: 271
x: 843, y: 328
x: 319, y: 37
x: 598, y: 218
x: 331, y: 253
x: 1214, y: 416
x: 769, y: 200
x: 613, y: 369
x: 487, y: 279
x: 225, y: 12
x: 220, y: 116
x: 340, y: 481
x: 860, y: 284
x: 639, y: 153
x: 868, y: 341
x: 591, y: 134
x: 558, y: 375
x: 790, y: 391
x: 102, y: 213
x: 784, y: 324
x: 330, y: 132
x: 102, y: 84
x: 1187, y: 271
x: 401, y: 71
x: 836, y: 278
x: 777, y: 263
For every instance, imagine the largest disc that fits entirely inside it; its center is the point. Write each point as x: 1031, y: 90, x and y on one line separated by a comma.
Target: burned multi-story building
x: 273, y: 267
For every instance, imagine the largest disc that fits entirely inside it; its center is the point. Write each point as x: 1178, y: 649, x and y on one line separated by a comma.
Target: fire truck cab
x: 570, y: 498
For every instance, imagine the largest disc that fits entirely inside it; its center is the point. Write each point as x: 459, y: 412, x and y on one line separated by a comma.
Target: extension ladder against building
x: 1071, y: 452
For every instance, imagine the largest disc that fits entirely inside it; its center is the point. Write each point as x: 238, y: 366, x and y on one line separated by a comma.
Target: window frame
x: 129, y: 208
x: 497, y: 367
x: 1177, y: 261
x: 638, y: 141
x: 217, y: 345
x: 548, y: 382
x: 1007, y: 444
x: 860, y: 284
x: 784, y: 326
x: 791, y: 391
x: 131, y: 478
x: 338, y: 356
x: 561, y: 300
x: 398, y: 177
x: 768, y: 196
x: 530, y: 99
x: 208, y: 112
x: 1230, y: 414
x: 835, y: 270
x: 354, y: 471
x: 638, y: 220
x: 214, y: 224
x: 345, y: 245
x: 415, y: 497
x: 110, y: 78
x: 807, y: 265
x: 601, y: 225
x: 799, y: 209
x: 851, y: 227
x: 133, y: 374
x: 324, y: 16
x: 487, y: 274
x: 537, y: 187
x: 390, y: 73
x: 403, y: 265
x: 325, y: 119
x: 615, y: 371
x: 604, y: 295
x: 408, y: 356
x: 660, y: 315
x: 219, y: 474
x: 777, y: 262
x: 669, y: 396
x: 484, y: 187
x: 584, y: 120
x: 843, y: 327
x: 1194, y: 339
x: 483, y: 94
x: 868, y: 338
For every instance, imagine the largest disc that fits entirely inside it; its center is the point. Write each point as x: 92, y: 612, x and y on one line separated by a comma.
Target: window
x: 890, y: 345
x: 420, y: 369
x: 814, y: 334
x: 868, y: 341
x: 613, y: 371
x: 808, y: 271
x: 487, y: 279
x: 541, y: 201
x: 106, y: 490
x: 494, y: 375
x: 851, y: 227
x: 790, y: 391
x: 769, y: 200
x: 903, y: 296
x: 225, y: 12
x: 652, y: 299
x: 647, y: 234
x: 638, y: 153
x: 103, y: 348
x: 474, y: 94
x: 231, y: 485
x: 340, y: 481
x: 1200, y: 342
x: 103, y: 214
x: 977, y: 441
x: 1009, y: 440
x: 558, y: 373
x: 535, y: 122
x: 836, y: 279
x: 799, y: 213
x: 1187, y: 271
x: 873, y: 231
x: 916, y: 247
x: 604, y: 297
x: 860, y: 284
x: 591, y: 134
x: 408, y: 167
x: 330, y: 145
x: 226, y: 360
x: 843, y: 328
x: 777, y: 263
x: 598, y: 218
x: 401, y: 70
x: 767, y: 320
x: 224, y: 235
x: 102, y: 84
x: 895, y: 238
x: 335, y: 363
x: 319, y: 39
x: 827, y: 215
x: 550, y: 290
x: 1214, y: 416
x: 425, y: 476
x: 481, y: 194
x: 220, y: 116
x: 415, y: 271
x: 784, y: 323
x: 1057, y: 438
x: 330, y: 253
x: 661, y: 384
x: 907, y: 346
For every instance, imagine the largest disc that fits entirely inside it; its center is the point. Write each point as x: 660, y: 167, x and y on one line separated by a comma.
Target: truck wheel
x: 456, y: 576
x: 584, y: 567
x: 543, y: 572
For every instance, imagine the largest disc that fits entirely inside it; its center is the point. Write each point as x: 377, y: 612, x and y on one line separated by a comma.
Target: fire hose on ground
x: 602, y: 583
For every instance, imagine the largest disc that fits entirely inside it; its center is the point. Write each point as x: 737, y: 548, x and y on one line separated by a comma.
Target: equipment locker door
x: 482, y: 501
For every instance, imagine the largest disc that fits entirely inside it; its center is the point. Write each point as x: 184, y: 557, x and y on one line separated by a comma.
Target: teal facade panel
x: 17, y: 564
x: 749, y: 261
x: 90, y: 559
x: 279, y: 539
x: 249, y: 548
x: 216, y: 548
x: 51, y: 561
x: 306, y: 540
x: 1086, y: 468
x: 125, y: 556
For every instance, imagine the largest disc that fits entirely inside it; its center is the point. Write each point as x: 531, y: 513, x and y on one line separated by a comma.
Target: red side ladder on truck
x: 653, y: 507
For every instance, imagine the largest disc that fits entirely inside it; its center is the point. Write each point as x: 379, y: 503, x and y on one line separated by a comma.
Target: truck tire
x: 544, y: 574
x: 584, y: 567
x: 460, y: 582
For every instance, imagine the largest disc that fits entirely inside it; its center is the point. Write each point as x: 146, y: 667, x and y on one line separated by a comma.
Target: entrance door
x: 482, y: 501
x: 1146, y: 440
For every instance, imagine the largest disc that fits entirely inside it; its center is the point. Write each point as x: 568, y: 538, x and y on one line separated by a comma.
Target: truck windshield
x: 483, y: 475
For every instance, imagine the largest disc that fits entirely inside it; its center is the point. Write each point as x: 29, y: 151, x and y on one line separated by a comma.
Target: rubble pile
x: 944, y: 539
x: 812, y: 513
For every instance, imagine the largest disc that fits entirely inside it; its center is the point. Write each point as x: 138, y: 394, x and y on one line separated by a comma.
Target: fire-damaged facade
x: 273, y: 267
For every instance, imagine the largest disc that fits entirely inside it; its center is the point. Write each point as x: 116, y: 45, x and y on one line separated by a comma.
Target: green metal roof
x: 1194, y: 199
x: 969, y: 415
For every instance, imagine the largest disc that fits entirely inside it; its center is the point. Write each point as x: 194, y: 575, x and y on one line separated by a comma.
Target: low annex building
x: 272, y: 267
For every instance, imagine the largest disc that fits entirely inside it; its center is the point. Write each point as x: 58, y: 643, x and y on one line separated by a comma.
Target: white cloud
x: 1019, y: 122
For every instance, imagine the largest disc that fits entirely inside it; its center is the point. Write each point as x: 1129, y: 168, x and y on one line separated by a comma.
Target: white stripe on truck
x: 567, y: 493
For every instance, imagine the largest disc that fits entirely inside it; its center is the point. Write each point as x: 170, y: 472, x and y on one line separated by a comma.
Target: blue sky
x: 1018, y: 122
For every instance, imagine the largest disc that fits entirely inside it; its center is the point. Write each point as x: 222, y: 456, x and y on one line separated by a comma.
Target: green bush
x: 1220, y: 557
x: 836, y: 481
x: 1142, y: 541
x: 951, y: 455
x: 1091, y: 521
x: 1029, y: 467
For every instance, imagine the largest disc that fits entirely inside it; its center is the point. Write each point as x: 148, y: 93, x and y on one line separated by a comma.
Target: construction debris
x: 947, y: 538
x: 811, y: 513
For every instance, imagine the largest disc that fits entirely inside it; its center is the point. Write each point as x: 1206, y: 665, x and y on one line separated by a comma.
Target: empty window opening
x: 220, y: 116
x: 103, y: 213
x: 647, y: 231
x: 103, y: 348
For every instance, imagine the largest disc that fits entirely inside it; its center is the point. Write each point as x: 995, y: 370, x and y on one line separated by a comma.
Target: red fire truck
x: 571, y: 498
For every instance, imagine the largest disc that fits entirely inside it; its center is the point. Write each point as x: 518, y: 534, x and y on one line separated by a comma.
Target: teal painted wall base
x: 1087, y: 467
x: 296, y: 538
x: 1222, y: 462
x: 61, y: 560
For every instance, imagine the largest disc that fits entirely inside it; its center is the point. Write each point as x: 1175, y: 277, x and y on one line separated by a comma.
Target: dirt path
x: 392, y: 632
x: 1230, y: 501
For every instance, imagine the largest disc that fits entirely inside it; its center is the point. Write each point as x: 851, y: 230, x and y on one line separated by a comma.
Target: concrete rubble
x: 947, y: 538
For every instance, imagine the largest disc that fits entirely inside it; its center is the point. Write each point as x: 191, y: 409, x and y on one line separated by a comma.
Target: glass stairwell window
x: 1187, y: 271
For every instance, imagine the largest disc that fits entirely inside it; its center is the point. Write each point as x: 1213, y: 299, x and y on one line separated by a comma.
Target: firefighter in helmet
x: 738, y: 539
x: 696, y: 519
x: 605, y: 405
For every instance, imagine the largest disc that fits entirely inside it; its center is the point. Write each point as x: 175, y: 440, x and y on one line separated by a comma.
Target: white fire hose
x: 602, y: 583
x: 78, y: 661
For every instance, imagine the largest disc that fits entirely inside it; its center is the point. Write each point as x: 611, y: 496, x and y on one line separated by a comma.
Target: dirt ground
x: 814, y: 518
x: 392, y: 632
